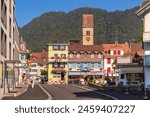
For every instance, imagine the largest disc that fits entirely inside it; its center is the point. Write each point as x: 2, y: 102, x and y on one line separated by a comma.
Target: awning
x: 58, y: 70
x: 131, y: 70
x: 85, y: 73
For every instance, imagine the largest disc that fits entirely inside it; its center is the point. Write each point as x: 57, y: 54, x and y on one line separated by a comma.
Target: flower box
x: 70, y: 68
x: 55, y: 49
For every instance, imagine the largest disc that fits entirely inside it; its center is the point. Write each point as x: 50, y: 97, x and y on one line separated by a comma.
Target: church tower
x: 88, y: 30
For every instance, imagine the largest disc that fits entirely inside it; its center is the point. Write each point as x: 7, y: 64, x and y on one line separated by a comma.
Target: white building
x: 9, y: 36
x: 144, y: 14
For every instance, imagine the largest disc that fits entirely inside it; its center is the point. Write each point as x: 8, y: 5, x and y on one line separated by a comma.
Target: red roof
x: 88, y: 21
x: 108, y: 47
x: 39, y: 57
x: 22, y: 43
x: 136, y: 48
x: 85, y: 48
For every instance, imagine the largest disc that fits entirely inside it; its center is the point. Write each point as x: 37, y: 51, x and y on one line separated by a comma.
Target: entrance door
x: 62, y: 76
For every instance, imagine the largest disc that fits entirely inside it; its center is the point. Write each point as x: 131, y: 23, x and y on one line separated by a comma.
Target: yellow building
x: 58, y: 62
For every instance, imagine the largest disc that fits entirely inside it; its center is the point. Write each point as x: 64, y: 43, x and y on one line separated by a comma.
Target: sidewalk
x: 20, y: 89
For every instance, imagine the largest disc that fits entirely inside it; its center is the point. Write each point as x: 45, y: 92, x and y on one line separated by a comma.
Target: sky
x: 26, y: 10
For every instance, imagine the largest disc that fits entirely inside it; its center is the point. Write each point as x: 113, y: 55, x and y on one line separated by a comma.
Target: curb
x: 19, y: 93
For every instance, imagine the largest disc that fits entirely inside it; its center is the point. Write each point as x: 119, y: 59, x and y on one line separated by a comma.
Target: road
x: 60, y: 92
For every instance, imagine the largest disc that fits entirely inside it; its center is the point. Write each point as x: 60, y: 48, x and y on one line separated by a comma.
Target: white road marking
x: 97, y: 92
x: 49, y: 95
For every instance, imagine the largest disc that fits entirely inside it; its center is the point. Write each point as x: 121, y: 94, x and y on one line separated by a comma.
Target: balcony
x: 147, y: 60
x: 58, y: 69
x: 57, y: 59
x: 146, y: 37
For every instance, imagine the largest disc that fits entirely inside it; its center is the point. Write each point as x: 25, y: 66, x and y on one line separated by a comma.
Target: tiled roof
x: 85, y: 48
x: 136, y: 48
x: 21, y: 41
x: 145, y: 2
x: 108, y: 47
x: 40, y: 57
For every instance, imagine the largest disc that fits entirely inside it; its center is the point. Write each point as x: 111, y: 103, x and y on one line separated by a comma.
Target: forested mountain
x: 60, y: 27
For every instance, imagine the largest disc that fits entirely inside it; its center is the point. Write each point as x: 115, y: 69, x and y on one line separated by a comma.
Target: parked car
x: 44, y: 79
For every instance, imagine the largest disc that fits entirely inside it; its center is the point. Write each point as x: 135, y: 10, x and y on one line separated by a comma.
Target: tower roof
x: 88, y: 21
x: 21, y: 41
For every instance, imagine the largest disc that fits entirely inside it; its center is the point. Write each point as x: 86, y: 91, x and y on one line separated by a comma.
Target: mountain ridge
x: 121, y: 26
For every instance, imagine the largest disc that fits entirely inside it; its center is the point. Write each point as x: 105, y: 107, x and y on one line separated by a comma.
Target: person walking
x: 33, y: 81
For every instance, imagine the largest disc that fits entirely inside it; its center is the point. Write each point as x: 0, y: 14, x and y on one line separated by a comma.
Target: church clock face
x: 88, y: 39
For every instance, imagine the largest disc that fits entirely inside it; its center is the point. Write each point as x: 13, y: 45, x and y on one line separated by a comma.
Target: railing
x: 147, y: 60
x: 146, y: 37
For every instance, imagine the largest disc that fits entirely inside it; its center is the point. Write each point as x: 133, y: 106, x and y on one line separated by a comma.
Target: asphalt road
x: 59, y: 92
x: 72, y: 92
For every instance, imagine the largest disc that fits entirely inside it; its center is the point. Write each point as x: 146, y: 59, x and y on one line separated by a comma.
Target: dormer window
x: 71, y: 55
x: 92, y: 55
x: 99, y: 55
x: 78, y: 55
x: 85, y: 55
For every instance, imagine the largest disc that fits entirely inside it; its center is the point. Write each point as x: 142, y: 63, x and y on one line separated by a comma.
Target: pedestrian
x: 33, y: 81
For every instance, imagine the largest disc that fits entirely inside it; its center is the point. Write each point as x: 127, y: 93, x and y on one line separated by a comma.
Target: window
x: 78, y: 65
x: 34, y: 65
x: 55, y: 55
x: 78, y: 55
x: 74, y: 65
x: 87, y: 32
x: 62, y: 65
x: 55, y: 65
x: 96, y: 65
x: 118, y: 52
x: 71, y: 55
x: 63, y: 55
x: 99, y: 55
x: 62, y: 47
x: 85, y: 55
x: 55, y: 47
x: 108, y: 70
x: 122, y: 76
x: 10, y: 26
x: 92, y: 55
x: 108, y: 61
x: 115, y: 52
x: 56, y: 75
x: 70, y: 65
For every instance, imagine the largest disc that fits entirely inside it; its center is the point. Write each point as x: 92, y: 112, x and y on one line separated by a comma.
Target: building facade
x: 23, y: 56
x: 112, y: 54
x: 144, y: 14
x: 85, y: 60
x: 58, y: 62
x: 38, y: 63
x: 9, y: 36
